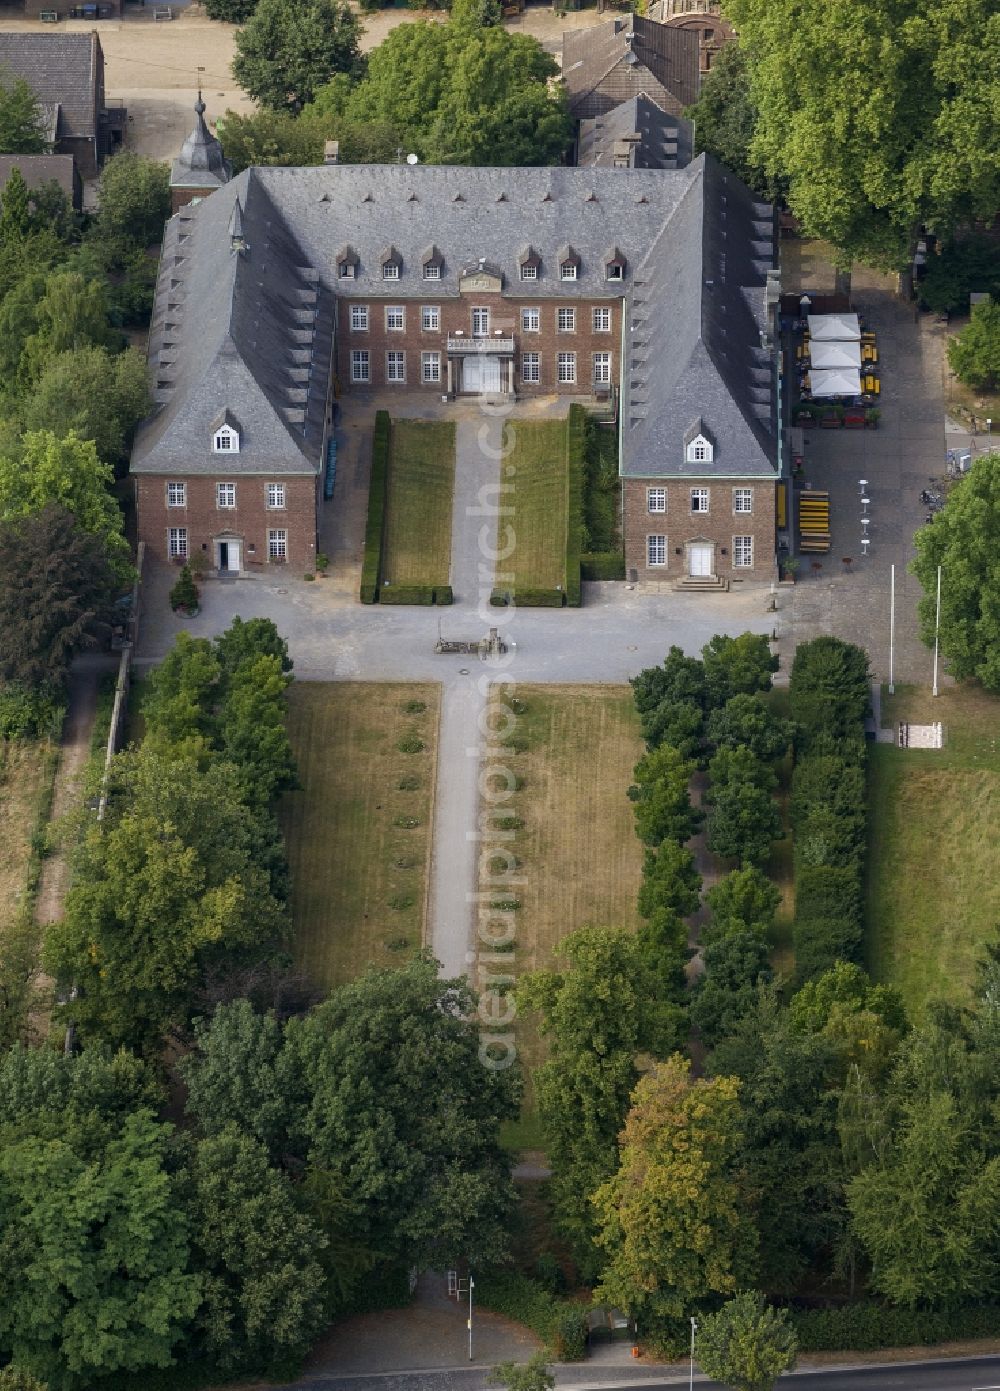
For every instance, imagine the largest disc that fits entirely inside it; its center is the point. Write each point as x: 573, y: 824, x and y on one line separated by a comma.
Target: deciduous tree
x: 746, y: 722
x: 133, y: 200
x: 975, y: 354
x: 55, y: 585
x: 663, y: 809
x: 22, y: 125
x: 747, y: 1344
x: 743, y: 896
x: 94, y: 394
x: 233, y: 1077
x: 287, y: 51
x: 737, y: 666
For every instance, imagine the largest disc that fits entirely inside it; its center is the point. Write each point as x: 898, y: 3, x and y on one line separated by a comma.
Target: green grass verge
x: 933, y: 893
x: 421, y: 485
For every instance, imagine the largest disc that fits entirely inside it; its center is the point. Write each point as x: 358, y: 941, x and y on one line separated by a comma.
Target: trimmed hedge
x: 443, y: 594
x: 371, y: 568
x: 864, y: 1327
x: 576, y: 446
x: 406, y: 594
x: 602, y: 565
x: 528, y: 598
x: 560, y: 1323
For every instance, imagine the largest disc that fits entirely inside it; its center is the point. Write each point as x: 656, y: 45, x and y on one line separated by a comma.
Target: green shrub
x: 867, y: 1326
x: 529, y: 598
x: 184, y: 594
x: 415, y: 707
x: 443, y: 594
x: 30, y: 714
x: 560, y: 1323
x: 410, y: 743
x: 401, y: 901
x: 602, y: 565
x: 821, y: 942
x: 410, y: 783
x: 406, y: 594
x: 828, y: 891
x: 371, y: 567
x: 829, y: 689
x: 406, y: 823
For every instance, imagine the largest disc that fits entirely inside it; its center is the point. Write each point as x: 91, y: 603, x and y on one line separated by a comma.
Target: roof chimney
x: 331, y: 152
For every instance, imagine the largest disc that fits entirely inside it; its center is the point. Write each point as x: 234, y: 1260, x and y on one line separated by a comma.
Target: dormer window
x: 392, y: 263
x: 699, y: 450
x: 569, y: 263
x: 226, y: 440
x: 614, y: 265
x: 432, y: 263
x: 529, y: 263
x: 347, y: 263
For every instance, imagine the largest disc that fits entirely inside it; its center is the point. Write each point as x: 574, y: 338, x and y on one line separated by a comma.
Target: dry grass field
x: 26, y: 772
x: 577, y: 848
x: 419, y: 501
x: 358, y: 831
x: 934, y: 847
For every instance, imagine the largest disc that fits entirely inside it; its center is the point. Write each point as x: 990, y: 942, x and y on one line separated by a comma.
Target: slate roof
x: 628, y: 56
x: 252, y: 331
x: 38, y: 170
x: 654, y: 139
x: 63, y: 69
x: 201, y: 162
x: 698, y: 315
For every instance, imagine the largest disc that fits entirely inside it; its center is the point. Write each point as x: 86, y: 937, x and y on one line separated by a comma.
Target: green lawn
x: 540, y: 499
x: 934, y: 846
x: 419, y: 502
x: 358, y: 832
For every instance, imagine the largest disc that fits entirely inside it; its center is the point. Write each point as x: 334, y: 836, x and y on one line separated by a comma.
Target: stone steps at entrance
x: 702, y: 584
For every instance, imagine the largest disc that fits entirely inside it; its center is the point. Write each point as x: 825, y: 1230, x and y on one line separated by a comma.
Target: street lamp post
x: 892, y: 629
x: 472, y: 1286
x: 937, y: 625
x: 694, y: 1330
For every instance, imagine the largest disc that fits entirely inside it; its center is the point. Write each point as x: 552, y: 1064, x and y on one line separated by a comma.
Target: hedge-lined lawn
x: 934, y: 846
x: 358, y: 868
x: 574, y: 749
x: 540, y: 499
x: 419, y: 502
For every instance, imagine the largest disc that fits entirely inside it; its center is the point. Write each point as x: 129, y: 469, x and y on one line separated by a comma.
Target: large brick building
x: 645, y: 287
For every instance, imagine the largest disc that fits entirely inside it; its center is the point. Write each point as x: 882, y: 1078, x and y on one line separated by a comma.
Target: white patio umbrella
x: 845, y: 381
x: 824, y: 355
x: 834, y: 328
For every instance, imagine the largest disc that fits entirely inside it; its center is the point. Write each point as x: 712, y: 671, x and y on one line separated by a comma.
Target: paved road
x: 958, y: 1374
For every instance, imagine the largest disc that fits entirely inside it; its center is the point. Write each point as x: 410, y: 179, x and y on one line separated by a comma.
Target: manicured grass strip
x: 419, y: 503
x: 933, y: 895
x: 358, y: 832
x: 540, y: 499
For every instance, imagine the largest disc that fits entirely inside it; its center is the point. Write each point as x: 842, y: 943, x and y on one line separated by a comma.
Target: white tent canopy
x: 834, y: 328
x: 843, y: 382
x: 824, y: 355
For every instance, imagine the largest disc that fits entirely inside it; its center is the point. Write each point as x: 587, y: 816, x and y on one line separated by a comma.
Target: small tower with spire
x: 201, y: 167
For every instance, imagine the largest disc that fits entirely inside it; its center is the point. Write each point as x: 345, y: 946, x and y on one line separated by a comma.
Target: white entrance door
x: 700, y: 558
x: 229, y: 556
x: 481, y: 374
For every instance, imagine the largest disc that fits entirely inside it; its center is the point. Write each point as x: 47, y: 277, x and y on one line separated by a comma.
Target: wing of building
x: 645, y: 288
x: 66, y: 74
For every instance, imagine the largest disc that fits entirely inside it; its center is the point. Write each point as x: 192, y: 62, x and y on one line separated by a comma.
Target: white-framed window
x: 602, y: 319
x: 395, y: 318
x: 531, y: 320
x: 602, y: 369
x: 225, y: 494
x: 567, y: 367
x: 566, y: 320
x: 226, y: 440
x: 177, y: 539
x: 480, y: 323
x: 531, y: 367
x: 699, y: 451
x: 656, y: 550
x: 614, y: 270
x: 346, y: 270
x: 390, y: 270
x: 743, y: 499
x: 395, y: 367
x: 275, y: 495
x: 359, y: 318
x: 699, y: 499
x: 529, y: 271
x: 177, y: 494
x: 743, y: 552
x: 277, y: 545
x: 567, y: 270
x: 656, y: 499
x: 361, y: 366
x: 430, y: 367
x: 430, y: 318
x: 432, y: 270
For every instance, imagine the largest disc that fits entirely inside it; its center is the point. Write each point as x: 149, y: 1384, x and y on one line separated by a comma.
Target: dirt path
x: 74, y: 751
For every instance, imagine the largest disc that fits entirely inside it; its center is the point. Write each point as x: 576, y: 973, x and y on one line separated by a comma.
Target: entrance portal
x: 701, y: 559
x: 227, y: 557
x: 481, y: 374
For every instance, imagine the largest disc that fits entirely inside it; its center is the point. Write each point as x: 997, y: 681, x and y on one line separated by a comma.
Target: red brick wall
x: 680, y: 526
x: 456, y: 313
x: 249, y: 521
